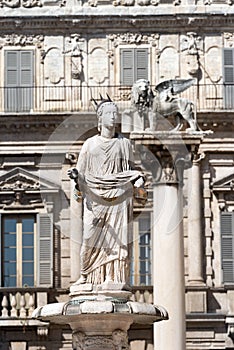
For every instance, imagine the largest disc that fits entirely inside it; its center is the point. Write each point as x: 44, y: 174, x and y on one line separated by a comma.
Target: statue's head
x: 107, y: 113
x: 140, y: 88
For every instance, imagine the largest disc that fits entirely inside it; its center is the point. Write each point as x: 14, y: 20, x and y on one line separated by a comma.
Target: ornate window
x: 141, y: 251
x: 26, y: 230
x: 18, y: 80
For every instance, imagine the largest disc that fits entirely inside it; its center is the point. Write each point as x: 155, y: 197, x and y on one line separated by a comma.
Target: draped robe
x: 106, y: 180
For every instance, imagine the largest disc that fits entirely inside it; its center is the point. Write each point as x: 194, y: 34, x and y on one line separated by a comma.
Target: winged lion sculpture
x: 147, y: 104
x: 166, y: 103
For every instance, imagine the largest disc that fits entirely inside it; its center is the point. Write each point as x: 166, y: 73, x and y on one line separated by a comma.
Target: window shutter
x: 11, y: 59
x: 18, y: 80
x: 26, y: 68
x: 127, y: 66
x: 228, y: 66
x: 141, y: 64
x: 11, y: 80
x: 228, y: 77
x: 26, y: 79
x: 45, y: 252
x: 134, y: 65
x: 227, y: 233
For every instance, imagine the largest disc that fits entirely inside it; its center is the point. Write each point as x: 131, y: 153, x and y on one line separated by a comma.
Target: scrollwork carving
x: 20, y: 3
x: 134, y: 38
x: 228, y: 39
x: 118, y: 341
x: 22, y: 40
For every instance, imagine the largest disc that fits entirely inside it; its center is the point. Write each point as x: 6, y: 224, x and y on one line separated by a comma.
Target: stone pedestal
x: 166, y: 155
x: 98, y: 321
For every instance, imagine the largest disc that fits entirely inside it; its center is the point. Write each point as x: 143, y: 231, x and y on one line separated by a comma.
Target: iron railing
x: 60, y: 99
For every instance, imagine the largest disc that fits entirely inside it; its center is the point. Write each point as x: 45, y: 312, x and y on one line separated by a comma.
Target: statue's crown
x: 103, y: 100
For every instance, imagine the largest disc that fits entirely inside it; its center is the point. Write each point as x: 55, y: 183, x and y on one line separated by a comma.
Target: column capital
x: 166, y: 154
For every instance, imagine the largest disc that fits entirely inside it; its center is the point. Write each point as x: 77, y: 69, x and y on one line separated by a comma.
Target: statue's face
x: 109, y: 115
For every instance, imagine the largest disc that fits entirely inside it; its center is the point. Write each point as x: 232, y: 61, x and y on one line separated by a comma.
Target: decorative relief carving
x: 140, y: 2
x: 191, y: 44
x: 166, y: 166
x: 30, y: 3
x: 22, y: 40
x: 134, y: 38
x: 118, y: 341
x: 210, y: 2
x: 74, y: 47
x: 19, y: 188
x: 19, y: 3
x: 228, y: 39
x: 19, y: 182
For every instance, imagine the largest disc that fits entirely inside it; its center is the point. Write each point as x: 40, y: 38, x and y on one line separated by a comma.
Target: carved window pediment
x: 20, y: 179
x: 224, y: 190
x: 18, y: 187
x: 224, y: 184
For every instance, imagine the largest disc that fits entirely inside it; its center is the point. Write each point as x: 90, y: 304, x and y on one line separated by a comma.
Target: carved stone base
x: 116, y: 341
x: 100, y: 322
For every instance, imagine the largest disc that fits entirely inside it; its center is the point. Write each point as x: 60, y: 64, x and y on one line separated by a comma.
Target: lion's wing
x: 175, y: 86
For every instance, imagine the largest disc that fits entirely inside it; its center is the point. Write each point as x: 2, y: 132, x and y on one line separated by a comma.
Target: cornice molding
x: 161, y: 22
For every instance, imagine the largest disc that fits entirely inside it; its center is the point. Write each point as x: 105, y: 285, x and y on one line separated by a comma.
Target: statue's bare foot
x: 81, y: 280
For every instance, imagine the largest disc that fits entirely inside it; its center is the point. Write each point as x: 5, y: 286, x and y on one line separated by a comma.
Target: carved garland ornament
x: 19, y: 3
x: 118, y: 341
x: 21, y: 40
x: 134, y: 38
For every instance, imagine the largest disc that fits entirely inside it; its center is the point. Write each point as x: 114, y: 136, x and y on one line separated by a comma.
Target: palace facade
x: 55, y: 57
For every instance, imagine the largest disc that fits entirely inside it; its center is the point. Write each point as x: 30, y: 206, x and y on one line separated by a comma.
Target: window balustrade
x: 65, y: 99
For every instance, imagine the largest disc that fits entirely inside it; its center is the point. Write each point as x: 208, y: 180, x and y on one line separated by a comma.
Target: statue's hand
x: 139, y: 182
x: 73, y: 173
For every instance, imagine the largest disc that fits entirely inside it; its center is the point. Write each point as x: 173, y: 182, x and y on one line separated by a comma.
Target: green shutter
x: 141, y: 64
x: 45, y: 250
x: 127, y: 65
x: 18, y: 80
x: 134, y: 65
x: 228, y: 77
x: 227, y: 233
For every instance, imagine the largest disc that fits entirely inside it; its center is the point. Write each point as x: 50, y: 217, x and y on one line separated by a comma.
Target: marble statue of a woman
x: 106, y: 181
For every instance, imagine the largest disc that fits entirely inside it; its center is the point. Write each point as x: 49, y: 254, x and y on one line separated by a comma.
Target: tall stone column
x: 168, y: 253
x: 195, y: 263
x: 76, y: 224
x: 166, y: 157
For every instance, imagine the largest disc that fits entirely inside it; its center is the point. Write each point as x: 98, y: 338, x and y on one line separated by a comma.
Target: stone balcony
x: 64, y: 99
